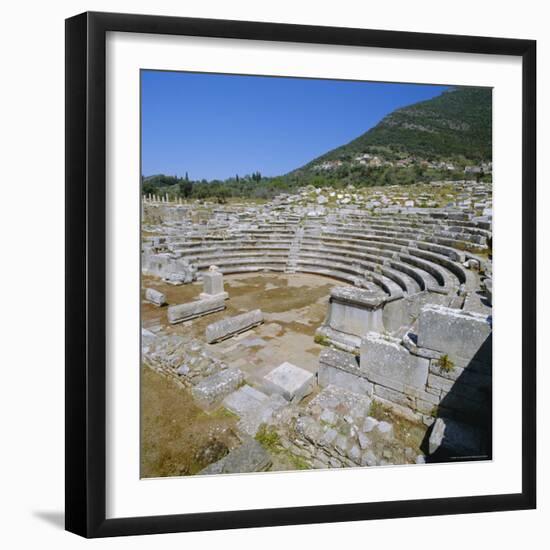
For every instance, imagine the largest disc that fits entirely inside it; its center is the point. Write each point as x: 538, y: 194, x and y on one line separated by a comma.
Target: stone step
x: 253, y: 407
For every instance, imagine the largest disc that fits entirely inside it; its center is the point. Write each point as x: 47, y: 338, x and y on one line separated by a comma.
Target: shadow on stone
x: 463, y: 428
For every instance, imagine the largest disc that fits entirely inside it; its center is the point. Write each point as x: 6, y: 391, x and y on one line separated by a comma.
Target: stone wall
x: 443, y: 370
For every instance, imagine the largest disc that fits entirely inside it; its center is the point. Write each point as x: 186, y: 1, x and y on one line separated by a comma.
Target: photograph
x: 316, y: 273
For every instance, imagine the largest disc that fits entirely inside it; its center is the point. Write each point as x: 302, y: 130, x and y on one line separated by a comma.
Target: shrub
x: 445, y: 364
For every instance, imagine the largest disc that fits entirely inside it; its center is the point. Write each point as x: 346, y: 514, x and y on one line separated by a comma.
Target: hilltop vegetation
x: 455, y: 126
x: 448, y: 137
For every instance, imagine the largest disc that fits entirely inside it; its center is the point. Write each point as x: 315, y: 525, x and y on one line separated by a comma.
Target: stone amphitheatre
x: 327, y: 328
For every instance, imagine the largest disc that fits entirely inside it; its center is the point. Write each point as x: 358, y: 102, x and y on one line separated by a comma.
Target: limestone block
x: 215, y: 387
x: 463, y: 336
x: 290, y: 381
x: 233, y: 325
x: 368, y: 459
x: 384, y: 361
x: 393, y: 396
x: 340, y: 359
x: 244, y: 400
x: 328, y: 417
x: 253, y: 407
x: 385, y: 429
x: 155, y: 297
x: 370, y: 424
x: 249, y: 457
x: 333, y: 376
x: 191, y: 310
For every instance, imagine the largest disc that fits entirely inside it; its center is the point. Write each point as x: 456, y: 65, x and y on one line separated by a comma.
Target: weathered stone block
x: 425, y: 407
x: 233, y: 325
x: 184, y: 312
x: 384, y: 361
x: 244, y: 400
x: 370, y: 424
x: 214, y: 388
x: 249, y: 457
x: 340, y: 359
x: 155, y: 297
x: 355, y: 310
x: 393, y: 396
x: 464, y: 336
x: 385, y: 429
x: 290, y: 381
x: 334, y: 376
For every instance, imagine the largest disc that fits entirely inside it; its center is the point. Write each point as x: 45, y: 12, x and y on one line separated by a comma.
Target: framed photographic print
x: 300, y: 274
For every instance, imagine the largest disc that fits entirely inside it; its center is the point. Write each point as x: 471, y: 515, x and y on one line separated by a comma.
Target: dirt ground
x: 177, y: 438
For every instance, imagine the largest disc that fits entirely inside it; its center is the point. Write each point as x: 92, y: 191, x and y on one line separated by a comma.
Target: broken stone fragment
x: 385, y: 429
x: 370, y: 424
x: 155, y: 297
x: 214, y: 388
x: 249, y: 457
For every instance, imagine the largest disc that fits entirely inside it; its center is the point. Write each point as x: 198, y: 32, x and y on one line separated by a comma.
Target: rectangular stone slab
x: 290, y: 381
x: 233, y: 325
x: 333, y: 376
x: 214, y: 388
x: 249, y: 457
x: 463, y: 336
x: 244, y: 400
x: 184, y: 312
x: 386, y: 362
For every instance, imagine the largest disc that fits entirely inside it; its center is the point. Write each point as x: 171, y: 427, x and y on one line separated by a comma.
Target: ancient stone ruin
x: 406, y: 342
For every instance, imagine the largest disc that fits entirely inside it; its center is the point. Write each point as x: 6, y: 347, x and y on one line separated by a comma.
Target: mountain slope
x: 456, y: 124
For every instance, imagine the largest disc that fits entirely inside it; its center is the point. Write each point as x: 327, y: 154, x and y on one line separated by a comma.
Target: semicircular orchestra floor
x: 294, y: 306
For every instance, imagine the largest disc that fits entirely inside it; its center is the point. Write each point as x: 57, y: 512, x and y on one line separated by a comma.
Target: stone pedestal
x: 352, y: 313
x: 213, y: 284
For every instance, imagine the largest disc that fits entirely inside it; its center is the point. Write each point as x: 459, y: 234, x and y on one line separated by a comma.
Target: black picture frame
x: 86, y: 274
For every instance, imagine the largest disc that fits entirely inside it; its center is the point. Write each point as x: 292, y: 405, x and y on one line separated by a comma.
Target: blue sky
x: 216, y: 126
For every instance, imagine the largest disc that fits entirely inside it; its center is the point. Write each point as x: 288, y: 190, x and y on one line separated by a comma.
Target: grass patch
x: 298, y: 462
x: 321, y: 340
x: 268, y: 438
x: 376, y: 410
x: 445, y: 364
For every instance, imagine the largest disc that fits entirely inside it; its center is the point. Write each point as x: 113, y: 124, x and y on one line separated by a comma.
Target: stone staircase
x: 294, y: 251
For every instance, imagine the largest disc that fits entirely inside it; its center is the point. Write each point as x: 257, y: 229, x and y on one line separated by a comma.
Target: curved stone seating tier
x: 224, y: 262
x: 390, y: 287
x: 475, y: 227
x: 408, y: 284
x: 464, y: 276
x: 412, y: 270
x: 426, y: 276
x: 415, y: 224
x: 446, y: 238
x: 251, y: 268
x: 411, y: 282
x: 440, y: 273
x: 235, y: 250
x: 403, y: 253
